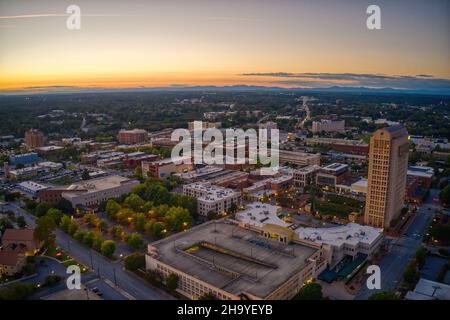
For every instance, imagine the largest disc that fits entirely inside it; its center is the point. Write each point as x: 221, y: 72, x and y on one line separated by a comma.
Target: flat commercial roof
x: 99, y: 184
x: 351, y: 233
x: 261, y: 266
x: 258, y: 214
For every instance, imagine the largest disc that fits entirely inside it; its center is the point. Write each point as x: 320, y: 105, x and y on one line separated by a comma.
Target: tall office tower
x: 34, y: 139
x: 388, y: 165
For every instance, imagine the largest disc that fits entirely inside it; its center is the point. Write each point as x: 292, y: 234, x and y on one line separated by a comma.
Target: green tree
x: 158, y: 229
x: 108, y: 248
x: 139, y: 221
x: 233, y: 208
x: 112, y: 208
x: 79, y: 235
x: 101, y: 225
x: 97, y: 242
x: 45, y: 230
x: 310, y: 291
x: 85, y: 175
x: 411, y: 275
x: 88, y: 239
x: 21, y: 222
x: 16, y: 291
x: 65, y: 223
x: 42, y: 208
x: 134, y: 261
x: 55, y: 214
x: 73, y: 227
x: 52, y: 280
x: 134, y: 202
x: 421, y: 255
x: 124, y: 216
x: 178, y: 218
x: 383, y: 295
x: 89, y: 218
x: 116, y: 231
x: 65, y: 206
x: 444, y: 196
x: 172, y: 281
x: 134, y: 240
x: 149, y: 226
x: 211, y: 215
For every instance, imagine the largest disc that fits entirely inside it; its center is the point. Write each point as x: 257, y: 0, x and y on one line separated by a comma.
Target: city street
x: 113, y: 272
x: 402, y: 249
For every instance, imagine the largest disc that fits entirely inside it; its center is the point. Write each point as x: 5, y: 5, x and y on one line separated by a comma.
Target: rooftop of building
x: 298, y: 154
x: 49, y: 148
x: 419, y: 171
x: 31, y: 185
x: 351, y: 233
x: 258, y: 214
x: 133, y: 131
x: 197, y: 173
x: 337, y: 141
x: 98, y: 184
x: 335, y: 167
x: 18, y: 235
x: 360, y: 183
x: 429, y: 290
x: 214, y: 251
x: 308, y: 169
x: 210, y: 191
x: 9, y: 258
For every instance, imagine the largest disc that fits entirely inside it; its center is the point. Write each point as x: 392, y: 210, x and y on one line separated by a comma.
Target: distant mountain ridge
x: 70, y: 89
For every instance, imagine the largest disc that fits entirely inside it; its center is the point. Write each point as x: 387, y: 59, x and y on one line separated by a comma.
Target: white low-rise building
x: 349, y: 239
x: 31, y: 187
x: 93, y: 192
x: 258, y: 214
x: 345, y: 240
x: 211, y: 197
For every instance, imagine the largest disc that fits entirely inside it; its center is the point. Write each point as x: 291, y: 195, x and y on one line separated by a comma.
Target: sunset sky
x: 289, y: 43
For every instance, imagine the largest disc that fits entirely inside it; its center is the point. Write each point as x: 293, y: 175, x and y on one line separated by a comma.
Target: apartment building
x: 306, y: 176
x: 211, y: 197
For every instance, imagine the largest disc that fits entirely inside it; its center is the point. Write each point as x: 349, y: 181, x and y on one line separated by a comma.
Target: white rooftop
x: 419, y: 171
x: 258, y: 214
x: 210, y: 192
x: 360, y: 183
x: 351, y: 233
x: 199, y: 172
x: 429, y: 290
x: 99, y: 184
x: 31, y: 185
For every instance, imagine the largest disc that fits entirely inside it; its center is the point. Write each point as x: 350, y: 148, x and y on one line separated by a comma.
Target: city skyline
x: 287, y: 44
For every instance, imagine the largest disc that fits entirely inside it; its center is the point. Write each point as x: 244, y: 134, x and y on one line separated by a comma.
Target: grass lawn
x: 57, y: 253
x: 338, y: 206
x: 62, y: 181
x: 71, y: 262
